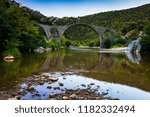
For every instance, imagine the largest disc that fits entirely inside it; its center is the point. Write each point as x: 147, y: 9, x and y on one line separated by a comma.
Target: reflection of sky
x: 122, y: 92
x: 61, y: 8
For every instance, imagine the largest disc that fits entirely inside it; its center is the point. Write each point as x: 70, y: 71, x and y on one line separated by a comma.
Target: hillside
x: 120, y: 19
x: 18, y: 29
x: 128, y: 22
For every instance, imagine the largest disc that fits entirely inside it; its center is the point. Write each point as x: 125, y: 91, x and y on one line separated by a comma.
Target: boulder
x: 52, y: 79
x: 31, y: 88
x: 73, y: 96
x: 9, y: 58
x: 53, y: 95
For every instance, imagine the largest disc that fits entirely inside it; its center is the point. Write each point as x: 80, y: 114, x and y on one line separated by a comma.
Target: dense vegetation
x: 17, y: 31
x: 129, y: 25
x: 145, y: 42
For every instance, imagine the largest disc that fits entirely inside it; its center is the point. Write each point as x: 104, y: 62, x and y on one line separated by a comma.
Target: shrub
x: 12, y: 52
x: 54, y: 44
x: 145, y: 43
x: 107, y: 43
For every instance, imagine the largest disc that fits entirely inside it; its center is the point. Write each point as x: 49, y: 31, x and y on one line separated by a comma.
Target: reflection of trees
x: 114, y: 68
x: 54, y: 62
x: 118, y: 69
x: 102, y: 64
x: 12, y: 73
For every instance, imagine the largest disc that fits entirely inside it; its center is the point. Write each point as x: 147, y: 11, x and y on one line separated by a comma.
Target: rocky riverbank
x: 53, y: 88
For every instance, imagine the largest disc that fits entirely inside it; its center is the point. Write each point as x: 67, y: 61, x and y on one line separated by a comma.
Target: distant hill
x: 119, y: 19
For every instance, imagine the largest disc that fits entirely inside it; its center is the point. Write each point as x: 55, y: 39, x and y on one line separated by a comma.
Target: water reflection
x: 75, y: 81
x: 114, y: 68
x: 134, y: 58
x: 13, y: 73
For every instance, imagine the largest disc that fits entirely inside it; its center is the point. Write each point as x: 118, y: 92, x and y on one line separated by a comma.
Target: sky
x: 75, y: 8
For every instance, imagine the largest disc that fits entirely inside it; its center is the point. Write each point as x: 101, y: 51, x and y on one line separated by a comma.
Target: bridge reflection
x: 120, y: 68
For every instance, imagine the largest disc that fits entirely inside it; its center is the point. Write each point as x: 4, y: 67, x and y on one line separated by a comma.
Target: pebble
x: 41, y: 83
x: 53, y: 79
x: 18, y: 97
x: 36, y: 76
x: 49, y: 87
x: 73, y: 96
x: 12, y: 99
x: 92, y: 84
x: 83, y: 85
x: 31, y: 88
x: 64, y: 78
x: 61, y: 84
x: 65, y: 98
x: 53, y: 95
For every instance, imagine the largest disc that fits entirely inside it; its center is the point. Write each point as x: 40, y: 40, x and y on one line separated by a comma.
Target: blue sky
x: 75, y: 8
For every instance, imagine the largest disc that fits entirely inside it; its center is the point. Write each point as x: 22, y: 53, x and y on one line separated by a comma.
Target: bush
x: 63, y: 41
x: 119, y: 41
x: 107, y: 43
x: 68, y: 43
x: 54, y: 44
x: 12, y: 52
x: 147, y: 29
x: 145, y: 43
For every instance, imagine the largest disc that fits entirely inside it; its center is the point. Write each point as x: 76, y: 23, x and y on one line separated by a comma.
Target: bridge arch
x: 82, y: 24
x: 61, y: 30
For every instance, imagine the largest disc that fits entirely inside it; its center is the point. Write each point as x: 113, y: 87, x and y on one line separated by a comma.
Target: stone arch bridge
x: 61, y: 30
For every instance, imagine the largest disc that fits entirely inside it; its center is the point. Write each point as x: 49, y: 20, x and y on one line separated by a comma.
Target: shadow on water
x: 13, y: 73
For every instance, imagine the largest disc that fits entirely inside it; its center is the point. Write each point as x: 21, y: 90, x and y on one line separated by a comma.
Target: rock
x: 31, y: 88
x: 56, y: 88
x: 49, y: 87
x: 92, y: 84
x: 18, y: 97
x: 73, y: 96
x: 98, y: 86
x: 53, y: 79
x: 36, y: 79
x: 98, y: 98
x: 48, y: 49
x: 63, y: 74
x: 14, y: 94
x: 65, y: 98
x: 53, y: 95
x: 39, y: 50
x: 36, y: 76
x: 45, y: 76
x: 41, y: 82
x: 11, y: 99
x: 38, y: 95
x: 9, y: 58
x: 42, y: 78
x: 81, y: 98
x: 61, y: 84
x: 49, y: 82
x: 83, y: 85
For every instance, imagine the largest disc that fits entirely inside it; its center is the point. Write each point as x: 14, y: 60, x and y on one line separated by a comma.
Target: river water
x: 118, y: 75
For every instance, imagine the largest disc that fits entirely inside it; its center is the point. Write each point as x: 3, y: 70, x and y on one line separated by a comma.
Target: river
x: 118, y: 75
